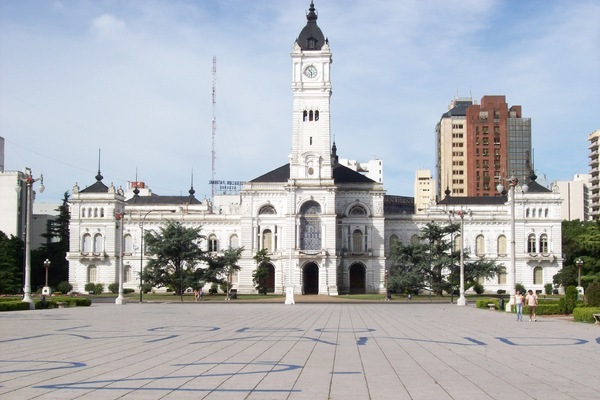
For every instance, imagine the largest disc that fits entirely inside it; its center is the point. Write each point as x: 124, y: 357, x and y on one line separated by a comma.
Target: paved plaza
x: 320, y: 351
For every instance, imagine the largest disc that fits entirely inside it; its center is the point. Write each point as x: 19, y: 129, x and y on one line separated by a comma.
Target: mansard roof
x: 97, y: 187
x: 341, y: 174
x: 311, y: 37
x: 468, y: 200
x: 162, y: 200
x: 398, y: 205
x: 459, y: 109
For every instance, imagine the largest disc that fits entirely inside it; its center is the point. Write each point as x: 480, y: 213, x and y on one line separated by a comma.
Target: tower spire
x: 99, y: 177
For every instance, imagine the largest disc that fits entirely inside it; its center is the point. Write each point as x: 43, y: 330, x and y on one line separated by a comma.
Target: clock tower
x: 310, y: 161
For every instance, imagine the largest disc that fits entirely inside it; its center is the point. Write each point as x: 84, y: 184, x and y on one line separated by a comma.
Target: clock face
x: 310, y: 71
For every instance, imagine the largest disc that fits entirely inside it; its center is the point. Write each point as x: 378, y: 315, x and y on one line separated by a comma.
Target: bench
x: 597, y: 318
x: 61, y: 304
x: 492, y: 306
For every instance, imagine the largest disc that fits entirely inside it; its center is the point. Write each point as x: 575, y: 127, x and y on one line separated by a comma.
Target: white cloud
x: 107, y: 26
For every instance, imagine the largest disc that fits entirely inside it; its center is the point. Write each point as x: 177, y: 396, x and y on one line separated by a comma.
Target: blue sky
x: 134, y: 79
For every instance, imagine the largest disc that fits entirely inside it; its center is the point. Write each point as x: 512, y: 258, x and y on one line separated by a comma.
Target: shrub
x: 128, y: 290
x: 99, y: 288
x: 585, y: 314
x: 592, y: 294
x: 501, y: 291
x: 548, y: 288
x: 113, y: 288
x: 478, y: 288
x: 562, y: 306
x: 548, y: 308
x: 90, y: 287
x: 64, y: 287
x: 570, y: 299
x: 483, y: 303
x: 15, y: 305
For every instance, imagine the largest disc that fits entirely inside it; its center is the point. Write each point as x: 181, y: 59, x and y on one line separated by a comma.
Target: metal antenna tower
x: 214, y: 124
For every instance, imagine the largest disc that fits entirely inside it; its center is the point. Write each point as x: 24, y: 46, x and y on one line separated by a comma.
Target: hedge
x: 52, y: 302
x: 585, y: 314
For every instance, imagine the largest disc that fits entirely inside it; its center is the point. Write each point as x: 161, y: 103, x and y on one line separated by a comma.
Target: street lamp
x: 29, y: 181
x: 579, y: 264
x: 462, y: 300
x: 46, y: 289
x: 512, y: 281
x: 120, y: 300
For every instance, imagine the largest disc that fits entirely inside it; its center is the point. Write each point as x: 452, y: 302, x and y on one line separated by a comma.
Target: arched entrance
x: 358, y: 274
x: 310, y: 278
x: 270, y: 281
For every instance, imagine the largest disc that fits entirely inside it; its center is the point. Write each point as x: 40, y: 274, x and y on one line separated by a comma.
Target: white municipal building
x: 328, y: 228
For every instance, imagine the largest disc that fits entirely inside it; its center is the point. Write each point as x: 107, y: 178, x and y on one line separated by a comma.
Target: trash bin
x: 233, y: 293
x: 501, y: 303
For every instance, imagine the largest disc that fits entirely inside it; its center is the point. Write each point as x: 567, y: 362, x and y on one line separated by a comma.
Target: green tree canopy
x: 580, y: 240
x: 175, y: 255
x: 261, y: 273
x: 432, y: 263
x: 11, y: 264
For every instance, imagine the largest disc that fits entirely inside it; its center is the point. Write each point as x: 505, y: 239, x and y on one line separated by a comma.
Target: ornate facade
x: 328, y: 228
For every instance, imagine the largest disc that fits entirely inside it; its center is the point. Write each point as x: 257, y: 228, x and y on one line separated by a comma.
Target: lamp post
x: 579, y: 264
x: 512, y: 281
x: 120, y: 299
x: 462, y: 300
x: 46, y: 289
x: 29, y: 181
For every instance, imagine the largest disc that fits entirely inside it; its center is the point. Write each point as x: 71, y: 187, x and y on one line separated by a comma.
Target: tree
x: 175, y: 254
x: 261, y: 273
x: 55, y: 249
x: 11, y: 263
x: 430, y: 263
x: 580, y: 240
x: 221, y: 267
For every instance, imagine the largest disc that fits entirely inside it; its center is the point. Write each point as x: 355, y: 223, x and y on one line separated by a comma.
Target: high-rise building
x: 424, y: 190
x: 575, y: 198
x: 595, y: 174
x: 480, y: 143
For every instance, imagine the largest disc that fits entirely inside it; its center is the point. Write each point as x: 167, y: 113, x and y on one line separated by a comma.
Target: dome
x: 311, y: 37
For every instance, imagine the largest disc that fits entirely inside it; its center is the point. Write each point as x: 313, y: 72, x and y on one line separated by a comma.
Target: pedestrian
x: 195, y: 295
x: 532, y: 301
x: 201, y: 294
x: 519, y: 305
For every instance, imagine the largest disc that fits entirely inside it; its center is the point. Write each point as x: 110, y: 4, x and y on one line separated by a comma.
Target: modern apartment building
x: 478, y: 144
x: 575, y: 198
x: 424, y: 190
x: 595, y: 174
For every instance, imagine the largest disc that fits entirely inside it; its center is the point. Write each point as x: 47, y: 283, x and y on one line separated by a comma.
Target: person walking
x: 532, y: 301
x: 519, y: 305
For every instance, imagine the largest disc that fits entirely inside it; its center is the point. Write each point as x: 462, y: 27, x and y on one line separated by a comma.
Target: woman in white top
x: 519, y: 305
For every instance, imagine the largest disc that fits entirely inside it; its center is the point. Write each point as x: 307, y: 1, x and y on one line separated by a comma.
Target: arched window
x: 357, y: 241
x: 316, y: 115
x: 480, y: 245
x: 546, y: 213
x: 102, y: 213
x: 268, y: 210
x: 98, y: 243
x: 502, y: 278
x: 127, y: 273
x: 95, y: 213
x: 213, y: 244
x: 310, y: 115
x: 267, y: 239
x: 310, y: 226
x: 531, y: 243
x: 128, y: 244
x: 357, y: 211
x: 394, y: 241
x: 457, y: 242
x: 527, y: 213
x: 234, y: 241
x: 544, y: 244
x: 83, y: 213
x: 304, y: 116
x: 538, y: 276
x: 92, y: 274
x: 86, y: 243
x: 501, y: 242
x: 414, y: 239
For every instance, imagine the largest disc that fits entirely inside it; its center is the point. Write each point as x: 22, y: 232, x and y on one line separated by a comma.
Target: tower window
x: 310, y: 115
x: 304, y: 116
x: 310, y: 140
x: 316, y: 115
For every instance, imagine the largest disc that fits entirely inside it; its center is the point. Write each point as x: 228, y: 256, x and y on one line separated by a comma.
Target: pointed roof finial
x: 192, y: 191
x: 312, y: 15
x: 99, y: 177
x: 136, y: 191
